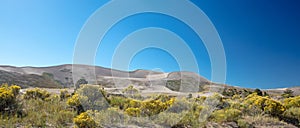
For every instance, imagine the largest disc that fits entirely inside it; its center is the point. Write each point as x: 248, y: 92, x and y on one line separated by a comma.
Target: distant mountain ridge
x: 62, y: 76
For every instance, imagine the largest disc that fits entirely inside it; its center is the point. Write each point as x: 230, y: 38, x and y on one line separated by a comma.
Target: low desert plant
x: 168, y: 119
x: 118, y: 101
x: 292, y: 115
x: 242, y: 123
x: 111, y: 116
x: 266, y: 104
x: 89, y: 97
x: 179, y: 105
x: 191, y: 117
x: 8, y: 98
x: 226, y: 115
x: 92, y: 97
x: 36, y: 93
x: 133, y: 112
x: 262, y: 121
x: 64, y: 94
x: 153, y: 107
x: 45, y: 113
x: 287, y: 93
x: 292, y: 102
x: 130, y: 90
x: 84, y: 121
x: 74, y: 102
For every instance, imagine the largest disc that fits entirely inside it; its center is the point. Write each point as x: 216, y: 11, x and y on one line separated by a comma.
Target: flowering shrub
x: 153, y: 107
x: 266, y: 104
x: 75, y: 103
x: 15, y: 89
x: 84, y: 121
x: 292, y: 102
x: 74, y: 100
x: 8, y: 95
x: 36, y: 93
x: 134, y: 103
x: 133, y: 111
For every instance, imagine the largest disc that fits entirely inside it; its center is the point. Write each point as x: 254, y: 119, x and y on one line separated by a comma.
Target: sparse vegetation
x: 131, y: 92
x: 90, y: 106
x: 35, y: 108
x: 36, y: 93
x: 173, y: 84
x: 64, y: 94
x: 80, y: 82
x: 288, y: 93
x: 229, y: 114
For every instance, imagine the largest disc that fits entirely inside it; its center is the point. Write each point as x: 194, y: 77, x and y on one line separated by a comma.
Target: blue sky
x: 261, y: 38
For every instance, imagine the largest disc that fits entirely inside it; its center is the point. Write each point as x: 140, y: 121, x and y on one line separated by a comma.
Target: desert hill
x: 65, y: 76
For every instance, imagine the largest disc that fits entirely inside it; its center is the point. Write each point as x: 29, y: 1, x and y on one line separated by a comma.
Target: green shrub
x: 42, y: 113
x: 174, y: 85
x: 88, y: 97
x: 191, y: 117
x: 132, y: 92
x: 168, y: 119
x: 258, y: 92
x: 180, y: 105
x: 230, y: 92
x: 242, y: 123
x: 92, y: 97
x: 36, y: 93
x: 110, y: 116
x: 64, y: 117
x: 119, y: 102
x: 287, y: 93
x: 264, y: 121
x: 80, y: 82
x: 292, y: 115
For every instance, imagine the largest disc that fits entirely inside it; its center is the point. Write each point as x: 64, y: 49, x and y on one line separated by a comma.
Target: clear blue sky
x: 260, y: 37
